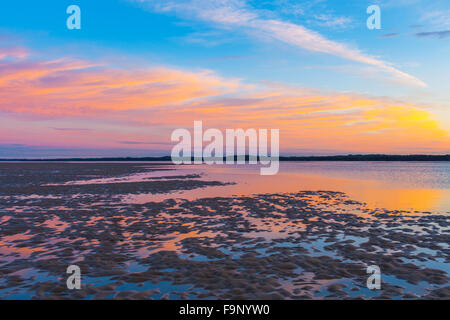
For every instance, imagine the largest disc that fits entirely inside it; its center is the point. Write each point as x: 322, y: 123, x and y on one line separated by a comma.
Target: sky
x: 139, y: 69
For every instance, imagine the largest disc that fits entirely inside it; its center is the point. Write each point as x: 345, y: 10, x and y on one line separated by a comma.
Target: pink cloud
x: 113, y: 105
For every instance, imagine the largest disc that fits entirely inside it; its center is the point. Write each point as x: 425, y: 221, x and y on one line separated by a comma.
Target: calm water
x: 43, y: 230
x: 422, y: 186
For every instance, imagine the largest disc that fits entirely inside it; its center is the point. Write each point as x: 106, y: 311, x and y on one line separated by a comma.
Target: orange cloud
x: 145, y: 105
x: 73, y: 88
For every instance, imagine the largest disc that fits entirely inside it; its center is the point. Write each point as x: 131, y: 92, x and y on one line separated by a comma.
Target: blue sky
x: 185, y: 40
x: 316, y: 44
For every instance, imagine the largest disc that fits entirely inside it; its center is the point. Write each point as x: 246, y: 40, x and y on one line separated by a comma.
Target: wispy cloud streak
x: 439, y: 34
x: 237, y: 14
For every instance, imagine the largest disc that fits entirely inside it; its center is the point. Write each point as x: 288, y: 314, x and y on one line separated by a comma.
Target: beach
x: 159, y: 231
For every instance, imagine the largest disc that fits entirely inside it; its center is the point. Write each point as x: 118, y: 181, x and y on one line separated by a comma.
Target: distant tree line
x: 349, y: 157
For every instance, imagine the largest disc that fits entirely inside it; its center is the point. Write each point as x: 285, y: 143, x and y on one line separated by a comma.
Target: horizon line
x: 341, y: 157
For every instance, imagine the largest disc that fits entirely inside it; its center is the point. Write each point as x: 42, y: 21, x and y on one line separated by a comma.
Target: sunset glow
x: 119, y: 101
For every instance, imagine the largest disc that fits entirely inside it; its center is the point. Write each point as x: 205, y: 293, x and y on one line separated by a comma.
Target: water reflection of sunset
x: 383, y: 187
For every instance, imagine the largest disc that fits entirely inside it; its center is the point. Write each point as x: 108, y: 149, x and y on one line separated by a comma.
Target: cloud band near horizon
x: 42, y: 101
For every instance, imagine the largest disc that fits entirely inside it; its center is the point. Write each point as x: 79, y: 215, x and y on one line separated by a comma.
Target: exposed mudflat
x: 302, y: 245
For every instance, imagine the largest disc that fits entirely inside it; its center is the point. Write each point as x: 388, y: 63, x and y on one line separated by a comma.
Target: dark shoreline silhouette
x: 350, y: 157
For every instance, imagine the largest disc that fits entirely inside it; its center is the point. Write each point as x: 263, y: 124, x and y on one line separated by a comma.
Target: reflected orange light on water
x: 379, y: 189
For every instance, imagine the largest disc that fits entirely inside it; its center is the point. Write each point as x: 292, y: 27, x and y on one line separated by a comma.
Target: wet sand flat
x: 295, y: 245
